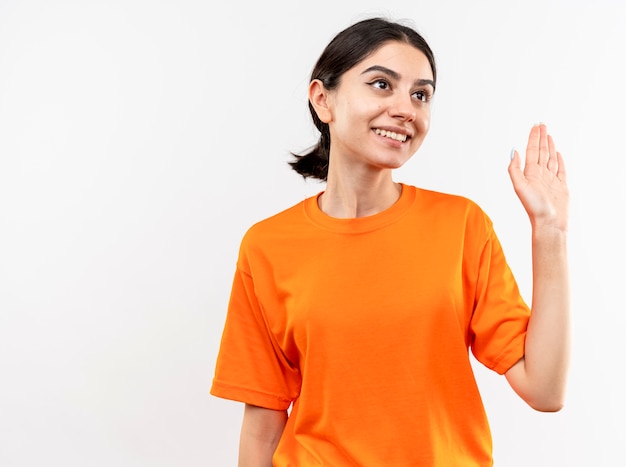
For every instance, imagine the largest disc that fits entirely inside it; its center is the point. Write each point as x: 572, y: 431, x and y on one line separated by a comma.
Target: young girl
x: 353, y: 312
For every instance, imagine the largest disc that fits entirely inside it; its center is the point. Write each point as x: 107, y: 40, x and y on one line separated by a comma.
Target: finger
x: 532, y: 148
x: 515, y: 169
x: 561, y: 173
x: 544, y: 148
x: 553, y: 163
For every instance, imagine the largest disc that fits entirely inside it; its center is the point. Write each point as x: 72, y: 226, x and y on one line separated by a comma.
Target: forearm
x: 260, y: 432
x: 548, y: 337
x: 546, y: 360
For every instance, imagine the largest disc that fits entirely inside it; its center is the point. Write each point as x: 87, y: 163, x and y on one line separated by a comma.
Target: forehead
x: 403, y: 58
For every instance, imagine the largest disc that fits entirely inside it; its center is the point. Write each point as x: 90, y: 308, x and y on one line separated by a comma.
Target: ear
x: 318, y: 97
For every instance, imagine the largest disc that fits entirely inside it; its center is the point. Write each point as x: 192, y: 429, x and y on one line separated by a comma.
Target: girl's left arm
x: 540, y: 376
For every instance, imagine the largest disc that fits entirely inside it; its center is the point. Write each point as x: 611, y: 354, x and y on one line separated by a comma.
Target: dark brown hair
x: 345, y: 50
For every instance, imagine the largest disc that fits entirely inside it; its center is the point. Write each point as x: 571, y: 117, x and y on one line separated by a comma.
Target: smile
x: 391, y: 134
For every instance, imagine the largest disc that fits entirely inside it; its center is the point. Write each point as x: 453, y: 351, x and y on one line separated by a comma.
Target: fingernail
x: 512, y: 153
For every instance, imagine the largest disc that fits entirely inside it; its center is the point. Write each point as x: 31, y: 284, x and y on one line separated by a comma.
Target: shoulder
x: 283, y: 224
x: 452, y: 207
x: 455, y: 220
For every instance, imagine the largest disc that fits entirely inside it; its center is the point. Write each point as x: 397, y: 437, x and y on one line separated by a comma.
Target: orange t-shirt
x: 364, y: 325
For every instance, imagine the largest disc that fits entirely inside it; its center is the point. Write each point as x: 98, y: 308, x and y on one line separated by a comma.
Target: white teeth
x: 391, y: 134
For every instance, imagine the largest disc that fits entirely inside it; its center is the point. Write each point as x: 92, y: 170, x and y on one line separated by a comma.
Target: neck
x: 359, y: 196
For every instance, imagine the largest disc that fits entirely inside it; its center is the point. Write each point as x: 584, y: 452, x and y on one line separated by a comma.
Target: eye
x: 380, y: 84
x: 422, y: 95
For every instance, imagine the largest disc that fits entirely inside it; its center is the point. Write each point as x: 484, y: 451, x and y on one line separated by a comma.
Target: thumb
x: 515, y: 168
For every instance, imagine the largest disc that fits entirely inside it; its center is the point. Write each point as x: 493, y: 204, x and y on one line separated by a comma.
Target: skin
x: 540, y: 377
x: 360, y: 183
x: 360, y: 171
x: 260, y: 431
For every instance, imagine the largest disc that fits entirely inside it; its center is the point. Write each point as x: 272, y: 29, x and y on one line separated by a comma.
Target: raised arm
x: 260, y: 431
x: 540, y: 377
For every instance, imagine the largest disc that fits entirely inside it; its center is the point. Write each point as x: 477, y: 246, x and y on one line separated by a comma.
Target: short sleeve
x: 500, y: 318
x: 250, y: 366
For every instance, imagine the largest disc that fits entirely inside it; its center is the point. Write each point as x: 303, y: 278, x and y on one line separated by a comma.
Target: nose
x: 403, y: 108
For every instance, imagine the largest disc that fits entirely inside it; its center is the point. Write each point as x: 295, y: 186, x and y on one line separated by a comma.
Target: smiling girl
x: 352, y: 313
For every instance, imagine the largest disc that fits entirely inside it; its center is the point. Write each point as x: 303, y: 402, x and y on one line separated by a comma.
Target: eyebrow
x: 395, y: 75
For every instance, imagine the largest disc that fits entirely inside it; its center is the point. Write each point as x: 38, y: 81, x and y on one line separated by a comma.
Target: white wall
x: 138, y: 141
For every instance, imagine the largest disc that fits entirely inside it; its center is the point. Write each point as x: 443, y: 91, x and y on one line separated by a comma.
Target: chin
x: 394, y: 164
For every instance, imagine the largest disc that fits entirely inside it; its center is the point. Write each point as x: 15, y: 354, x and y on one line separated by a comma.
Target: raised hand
x: 541, y: 184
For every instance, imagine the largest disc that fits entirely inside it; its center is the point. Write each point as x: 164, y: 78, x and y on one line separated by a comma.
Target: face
x: 380, y: 113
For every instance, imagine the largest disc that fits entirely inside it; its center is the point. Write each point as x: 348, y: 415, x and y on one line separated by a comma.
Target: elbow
x: 548, y: 408
x: 541, y: 394
x: 548, y: 404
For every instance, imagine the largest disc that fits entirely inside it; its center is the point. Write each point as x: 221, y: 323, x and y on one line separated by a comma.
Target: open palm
x: 541, y: 184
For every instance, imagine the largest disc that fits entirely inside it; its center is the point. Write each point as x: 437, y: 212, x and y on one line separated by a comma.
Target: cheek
x: 422, y: 125
x: 423, y: 122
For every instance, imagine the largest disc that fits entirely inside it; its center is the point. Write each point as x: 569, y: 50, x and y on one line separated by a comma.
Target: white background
x: 140, y: 139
